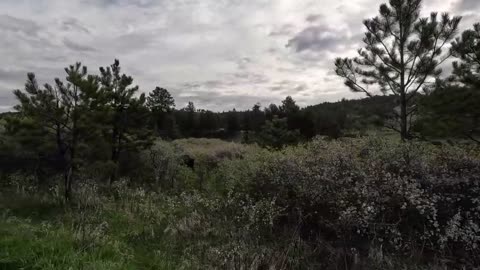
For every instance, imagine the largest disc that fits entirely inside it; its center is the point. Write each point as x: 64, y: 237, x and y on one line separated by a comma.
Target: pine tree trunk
x: 66, y: 165
x: 403, y: 90
x: 403, y: 118
x: 68, y: 183
x: 71, y: 161
x: 113, y: 158
x: 68, y: 174
x: 116, y: 141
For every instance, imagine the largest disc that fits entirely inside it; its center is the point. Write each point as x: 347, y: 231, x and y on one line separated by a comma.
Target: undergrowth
x: 350, y: 204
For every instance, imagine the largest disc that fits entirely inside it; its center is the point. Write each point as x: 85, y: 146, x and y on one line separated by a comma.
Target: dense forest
x: 97, y: 173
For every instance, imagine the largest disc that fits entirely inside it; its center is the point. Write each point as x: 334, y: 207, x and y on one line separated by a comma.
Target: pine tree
x: 160, y: 100
x: 125, y: 112
x: 257, y: 117
x: 467, y: 49
x: 402, y: 52
x: 452, y: 109
x: 55, y: 113
x: 190, y: 122
x: 275, y: 133
x: 161, y: 105
x: 207, y: 121
x: 289, y: 107
x: 272, y: 111
x: 233, y: 122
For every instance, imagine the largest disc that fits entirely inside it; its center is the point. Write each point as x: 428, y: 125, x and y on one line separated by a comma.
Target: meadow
x: 352, y: 203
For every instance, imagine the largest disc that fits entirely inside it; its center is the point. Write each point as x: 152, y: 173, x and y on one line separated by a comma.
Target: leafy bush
x: 163, y: 161
x: 413, y: 198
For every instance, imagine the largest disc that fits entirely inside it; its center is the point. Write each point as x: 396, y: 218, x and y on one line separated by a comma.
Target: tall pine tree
x: 55, y: 112
x: 402, y: 52
x: 452, y: 109
x: 467, y: 49
x: 125, y: 112
x: 161, y: 105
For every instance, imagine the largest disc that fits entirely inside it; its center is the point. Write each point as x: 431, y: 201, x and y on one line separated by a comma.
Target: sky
x: 220, y: 54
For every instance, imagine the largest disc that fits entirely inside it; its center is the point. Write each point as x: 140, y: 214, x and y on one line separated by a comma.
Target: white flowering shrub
x: 162, y: 163
x: 407, y: 198
x: 218, y: 231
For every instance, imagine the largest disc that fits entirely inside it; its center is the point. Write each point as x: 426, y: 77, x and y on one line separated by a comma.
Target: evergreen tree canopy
x: 190, y: 107
x: 275, y: 133
x: 402, y: 52
x: 452, y: 109
x: 289, y: 106
x: 271, y: 111
x: 56, y: 113
x: 126, y: 113
x: 467, y: 48
x: 160, y: 101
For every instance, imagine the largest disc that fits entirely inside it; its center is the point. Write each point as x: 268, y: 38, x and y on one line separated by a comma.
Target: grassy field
x: 351, y: 204
x: 124, y: 229
x: 38, y: 234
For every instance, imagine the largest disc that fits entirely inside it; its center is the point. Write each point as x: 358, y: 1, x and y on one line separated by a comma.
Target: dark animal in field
x: 188, y: 161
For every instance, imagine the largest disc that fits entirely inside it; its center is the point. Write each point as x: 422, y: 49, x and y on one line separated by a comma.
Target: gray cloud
x: 139, y: 3
x: 300, y: 88
x: 27, y: 27
x: 77, y: 47
x: 313, y: 17
x: 283, y: 30
x: 229, y: 81
x: 72, y: 24
x: 244, y: 63
x: 250, y: 77
x: 7, y: 99
x: 289, y: 87
x: 12, y: 76
x: 212, y: 99
x: 218, y: 53
x: 6, y: 108
x: 316, y: 38
x: 468, y: 5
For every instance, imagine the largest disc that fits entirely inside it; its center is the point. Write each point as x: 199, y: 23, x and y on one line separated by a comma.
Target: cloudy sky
x: 220, y: 54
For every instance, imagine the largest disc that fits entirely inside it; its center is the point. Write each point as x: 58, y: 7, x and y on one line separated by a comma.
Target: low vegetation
x: 366, y: 203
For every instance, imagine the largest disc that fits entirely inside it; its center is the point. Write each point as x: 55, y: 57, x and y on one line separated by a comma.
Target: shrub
x: 163, y: 162
x: 364, y: 194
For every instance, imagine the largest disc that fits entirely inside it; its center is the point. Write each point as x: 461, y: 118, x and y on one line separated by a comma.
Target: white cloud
x: 233, y: 51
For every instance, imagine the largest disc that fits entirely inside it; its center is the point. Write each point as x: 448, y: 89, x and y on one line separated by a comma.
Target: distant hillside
x: 373, y: 105
x: 355, y: 114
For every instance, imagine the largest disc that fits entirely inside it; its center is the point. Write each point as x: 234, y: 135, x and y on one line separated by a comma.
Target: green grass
x: 35, y: 234
x: 28, y: 245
